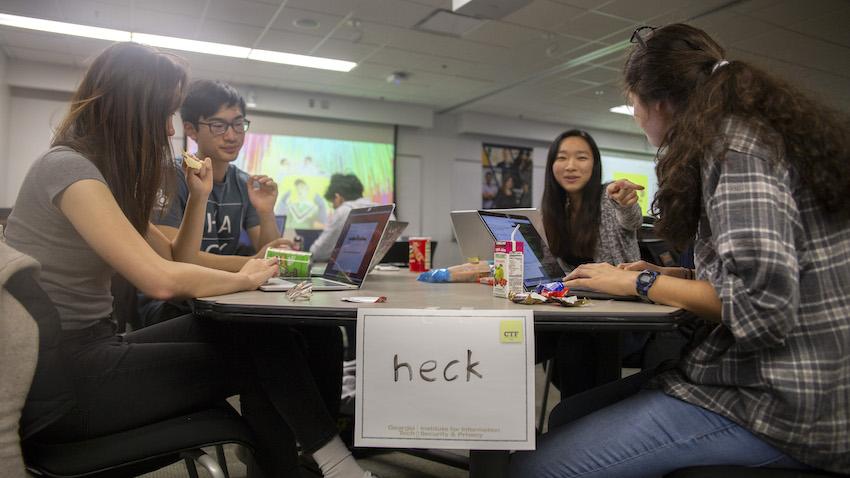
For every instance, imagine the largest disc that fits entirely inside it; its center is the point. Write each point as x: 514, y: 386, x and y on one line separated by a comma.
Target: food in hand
x: 192, y: 161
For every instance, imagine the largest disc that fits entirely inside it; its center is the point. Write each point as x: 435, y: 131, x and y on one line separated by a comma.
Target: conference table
x: 402, y: 290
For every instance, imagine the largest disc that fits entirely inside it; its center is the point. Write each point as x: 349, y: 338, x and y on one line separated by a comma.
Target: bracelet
x: 689, y: 273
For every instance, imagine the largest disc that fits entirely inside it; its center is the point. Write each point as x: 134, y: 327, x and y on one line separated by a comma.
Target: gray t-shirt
x: 229, y: 211
x: 75, y: 278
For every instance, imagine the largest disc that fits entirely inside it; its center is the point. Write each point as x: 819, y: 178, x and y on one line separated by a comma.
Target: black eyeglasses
x: 637, y: 36
x: 218, y: 127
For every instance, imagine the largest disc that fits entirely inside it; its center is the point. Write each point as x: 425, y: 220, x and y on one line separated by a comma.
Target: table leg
x: 488, y: 463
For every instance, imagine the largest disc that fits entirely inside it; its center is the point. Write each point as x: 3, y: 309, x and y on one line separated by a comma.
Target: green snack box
x: 292, y: 263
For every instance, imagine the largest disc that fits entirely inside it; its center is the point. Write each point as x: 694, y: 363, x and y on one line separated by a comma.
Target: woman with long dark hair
x: 83, y: 212
x: 756, y: 174
x: 585, y: 220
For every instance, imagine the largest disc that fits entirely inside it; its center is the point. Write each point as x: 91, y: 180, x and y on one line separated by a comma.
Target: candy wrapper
x: 552, y: 289
x: 527, y: 298
x: 533, y: 298
x: 570, y: 301
x: 365, y: 300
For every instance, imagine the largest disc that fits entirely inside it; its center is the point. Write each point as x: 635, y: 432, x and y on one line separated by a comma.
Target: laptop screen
x: 538, y: 263
x: 357, y: 243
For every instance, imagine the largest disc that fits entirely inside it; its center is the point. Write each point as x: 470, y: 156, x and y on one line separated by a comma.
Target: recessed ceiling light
x: 175, y: 43
x: 623, y: 110
x: 307, y: 23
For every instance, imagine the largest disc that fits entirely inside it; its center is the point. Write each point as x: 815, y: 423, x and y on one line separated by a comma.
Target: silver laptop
x: 473, y: 237
x: 394, y: 230
x: 350, y: 260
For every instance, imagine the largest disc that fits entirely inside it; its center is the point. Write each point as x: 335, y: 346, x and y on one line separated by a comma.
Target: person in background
x: 489, y: 190
x: 345, y: 192
x: 506, y: 198
x: 755, y: 173
x: 586, y: 221
x: 83, y: 212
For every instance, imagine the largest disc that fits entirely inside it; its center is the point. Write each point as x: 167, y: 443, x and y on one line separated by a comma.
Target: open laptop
x: 539, y: 265
x: 474, y: 239
x: 393, y: 232
x: 350, y: 260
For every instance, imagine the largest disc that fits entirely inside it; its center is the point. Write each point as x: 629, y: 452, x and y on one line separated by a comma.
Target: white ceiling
x: 522, y: 56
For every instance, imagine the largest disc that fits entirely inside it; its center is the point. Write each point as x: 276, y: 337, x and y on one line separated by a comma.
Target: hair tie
x: 719, y: 64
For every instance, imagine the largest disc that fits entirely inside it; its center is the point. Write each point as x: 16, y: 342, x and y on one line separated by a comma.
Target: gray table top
x: 404, y: 292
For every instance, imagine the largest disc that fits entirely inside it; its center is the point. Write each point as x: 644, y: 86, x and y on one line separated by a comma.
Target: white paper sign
x: 453, y: 379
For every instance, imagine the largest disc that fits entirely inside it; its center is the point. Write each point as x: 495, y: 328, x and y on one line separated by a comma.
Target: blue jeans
x: 646, y: 435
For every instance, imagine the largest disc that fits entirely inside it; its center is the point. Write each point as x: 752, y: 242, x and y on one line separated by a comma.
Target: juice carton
x: 507, y: 272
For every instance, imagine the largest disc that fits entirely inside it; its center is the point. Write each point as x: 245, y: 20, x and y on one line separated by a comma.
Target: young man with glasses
x: 214, y: 117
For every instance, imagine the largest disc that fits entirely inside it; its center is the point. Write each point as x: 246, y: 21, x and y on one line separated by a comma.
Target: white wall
x: 33, y: 116
x: 438, y: 168
x: 5, y: 99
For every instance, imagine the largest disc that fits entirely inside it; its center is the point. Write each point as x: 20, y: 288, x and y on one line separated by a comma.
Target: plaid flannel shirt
x: 779, y: 363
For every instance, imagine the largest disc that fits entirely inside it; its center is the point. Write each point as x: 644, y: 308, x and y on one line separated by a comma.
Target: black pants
x: 584, y: 360
x: 187, y: 364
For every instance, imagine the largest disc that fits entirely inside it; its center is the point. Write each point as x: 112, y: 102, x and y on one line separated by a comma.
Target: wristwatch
x: 644, y: 281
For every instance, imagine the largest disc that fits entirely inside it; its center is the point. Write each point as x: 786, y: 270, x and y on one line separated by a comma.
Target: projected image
x: 302, y: 167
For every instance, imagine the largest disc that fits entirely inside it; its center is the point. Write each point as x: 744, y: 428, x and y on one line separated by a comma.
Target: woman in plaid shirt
x: 756, y: 174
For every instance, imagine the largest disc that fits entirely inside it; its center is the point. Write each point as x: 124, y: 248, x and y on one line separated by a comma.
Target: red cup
x: 419, y: 254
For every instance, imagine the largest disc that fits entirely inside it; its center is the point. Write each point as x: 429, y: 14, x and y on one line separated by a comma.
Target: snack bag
x: 419, y: 254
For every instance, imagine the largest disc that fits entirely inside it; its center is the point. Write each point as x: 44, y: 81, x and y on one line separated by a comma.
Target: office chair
x: 144, y: 449
x: 127, y: 453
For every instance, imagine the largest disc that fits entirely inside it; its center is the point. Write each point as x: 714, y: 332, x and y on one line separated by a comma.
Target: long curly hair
x: 119, y: 120
x: 674, y: 64
x: 565, y: 240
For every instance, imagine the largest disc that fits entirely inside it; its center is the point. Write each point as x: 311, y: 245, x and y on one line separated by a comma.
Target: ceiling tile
x: 33, y: 8
x: 593, y: 25
x: 99, y: 14
x: 791, y: 12
x: 161, y: 23
x: 289, y: 42
x: 285, y: 21
x: 799, y: 49
x: 388, y: 12
x: 543, y: 14
x: 826, y: 28
x: 504, y: 34
x: 731, y: 27
x: 344, y: 50
x: 191, y: 8
x: 241, y: 11
x: 226, y: 32
x: 639, y: 12
x: 595, y: 76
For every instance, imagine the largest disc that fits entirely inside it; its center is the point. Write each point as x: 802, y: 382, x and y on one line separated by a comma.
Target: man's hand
x: 624, y: 192
x: 262, y: 191
x: 200, y: 181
